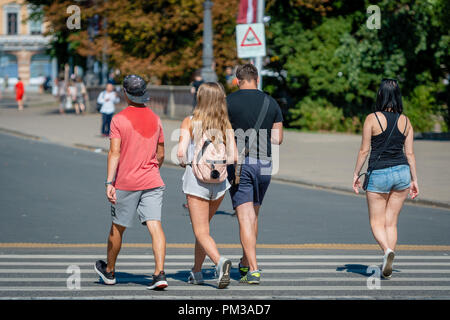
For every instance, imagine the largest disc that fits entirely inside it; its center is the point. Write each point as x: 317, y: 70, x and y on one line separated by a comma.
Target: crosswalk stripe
x: 273, y: 263
x: 331, y: 271
x: 237, y: 288
x: 299, y: 279
x: 191, y: 297
x: 181, y: 257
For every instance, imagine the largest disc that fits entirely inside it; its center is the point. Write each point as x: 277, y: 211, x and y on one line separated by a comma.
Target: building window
x: 35, y: 27
x: 12, y: 23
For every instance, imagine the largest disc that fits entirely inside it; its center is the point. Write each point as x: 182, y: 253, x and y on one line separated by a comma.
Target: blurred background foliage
x: 327, y: 63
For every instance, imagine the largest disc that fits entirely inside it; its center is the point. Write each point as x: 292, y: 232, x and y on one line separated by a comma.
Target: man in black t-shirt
x: 244, y: 109
x: 198, y: 81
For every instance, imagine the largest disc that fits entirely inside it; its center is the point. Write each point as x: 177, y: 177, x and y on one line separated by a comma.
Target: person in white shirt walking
x: 107, y: 98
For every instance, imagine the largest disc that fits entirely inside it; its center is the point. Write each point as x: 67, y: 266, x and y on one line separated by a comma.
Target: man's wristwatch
x: 108, y: 182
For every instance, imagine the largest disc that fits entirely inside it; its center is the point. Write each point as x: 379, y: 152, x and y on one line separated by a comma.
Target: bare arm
x: 160, y: 154
x: 277, y: 133
x: 113, y: 162
x: 183, y: 141
x: 363, y: 151
x: 101, y: 98
x: 409, y: 152
x: 232, y: 152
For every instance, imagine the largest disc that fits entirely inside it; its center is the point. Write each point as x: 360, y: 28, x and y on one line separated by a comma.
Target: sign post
x: 250, y: 36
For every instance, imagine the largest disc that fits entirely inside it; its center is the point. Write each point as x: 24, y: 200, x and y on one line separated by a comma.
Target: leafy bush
x: 420, y: 108
x: 321, y: 115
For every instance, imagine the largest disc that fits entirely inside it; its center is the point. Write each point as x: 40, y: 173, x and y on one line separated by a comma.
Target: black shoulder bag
x: 369, y: 172
x: 244, y: 153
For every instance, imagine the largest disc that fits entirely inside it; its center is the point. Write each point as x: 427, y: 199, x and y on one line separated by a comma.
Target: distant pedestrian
x: 20, y: 92
x: 391, y: 171
x: 107, y: 99
x: 62, y: 94
x: 205, y: 147
x: 6, y: 82
x: 229, y: 76
x: 81, y: 96
x: 195, y: 85
x: 133, y: 184
x: 71, y: 96
x: 257, y: 120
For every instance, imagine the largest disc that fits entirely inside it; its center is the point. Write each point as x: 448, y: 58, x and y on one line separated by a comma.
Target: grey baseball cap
x: 136, y: 89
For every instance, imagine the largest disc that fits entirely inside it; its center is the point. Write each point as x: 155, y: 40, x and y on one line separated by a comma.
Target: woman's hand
x: 111, y: 193
x: 356, y: 183
x: 414, y: 189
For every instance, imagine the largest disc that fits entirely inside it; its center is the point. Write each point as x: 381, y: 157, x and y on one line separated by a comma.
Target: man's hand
x: 111, y: 193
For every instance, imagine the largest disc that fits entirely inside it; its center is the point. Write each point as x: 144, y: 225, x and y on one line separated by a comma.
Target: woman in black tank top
x: 388, y: 135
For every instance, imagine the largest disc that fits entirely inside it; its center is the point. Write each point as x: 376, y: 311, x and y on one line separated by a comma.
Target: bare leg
x: 247, y: 221
x: 393, y: 208
x: 200, y: 253
x: 199, y: 210
x: 20, y: 104
x: 244, y: 259
x: 158, y: 244
x: 377, y: 215
x: 114, y: 245
x: 77, y: 108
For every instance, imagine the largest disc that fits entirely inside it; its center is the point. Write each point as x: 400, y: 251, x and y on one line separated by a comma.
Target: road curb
x: 349, y: 191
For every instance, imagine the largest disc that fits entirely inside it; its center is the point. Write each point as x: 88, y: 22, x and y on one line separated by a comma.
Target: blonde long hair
x: 211, y: 112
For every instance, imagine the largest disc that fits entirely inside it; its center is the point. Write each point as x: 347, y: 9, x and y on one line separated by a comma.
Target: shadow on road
x: 359, y: 269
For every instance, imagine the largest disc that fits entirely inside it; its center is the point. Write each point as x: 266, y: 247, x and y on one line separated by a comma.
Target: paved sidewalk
x: 317, y: 159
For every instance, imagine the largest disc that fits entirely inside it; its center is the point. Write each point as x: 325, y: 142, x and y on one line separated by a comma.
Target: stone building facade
x: 22, y: 46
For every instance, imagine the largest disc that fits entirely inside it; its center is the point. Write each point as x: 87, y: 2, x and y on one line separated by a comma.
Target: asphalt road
x: 51, y: 193
x: 55, y: 194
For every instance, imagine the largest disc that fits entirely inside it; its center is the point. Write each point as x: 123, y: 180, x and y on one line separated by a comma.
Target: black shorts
x: 254, y: 182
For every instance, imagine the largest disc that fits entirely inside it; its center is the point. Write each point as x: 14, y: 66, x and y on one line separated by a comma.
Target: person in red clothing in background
x: 20, y: 91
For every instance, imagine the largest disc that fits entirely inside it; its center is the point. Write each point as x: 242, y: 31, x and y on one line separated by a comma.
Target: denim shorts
x: 388, y: 179
x: 254, y: 182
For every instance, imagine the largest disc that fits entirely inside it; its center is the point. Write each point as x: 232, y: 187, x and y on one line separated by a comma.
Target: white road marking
x: 235, y: 288
x: 190, y: 257
x: 168, y: 271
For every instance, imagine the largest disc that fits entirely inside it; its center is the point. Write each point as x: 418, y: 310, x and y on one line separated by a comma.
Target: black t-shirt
x: 196, y: 84
x: 244, y: 107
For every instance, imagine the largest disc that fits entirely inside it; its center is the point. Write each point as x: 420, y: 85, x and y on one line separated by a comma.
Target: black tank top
x: 393, y: 155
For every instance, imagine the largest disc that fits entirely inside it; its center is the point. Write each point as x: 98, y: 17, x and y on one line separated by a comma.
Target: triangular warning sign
x: 250, y: 39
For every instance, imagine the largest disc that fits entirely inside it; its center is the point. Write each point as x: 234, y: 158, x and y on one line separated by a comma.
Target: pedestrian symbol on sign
x: 250, y: 39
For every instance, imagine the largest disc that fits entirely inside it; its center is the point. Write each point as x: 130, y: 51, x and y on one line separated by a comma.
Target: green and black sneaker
x: 243, y: 269
x: 252, y: 277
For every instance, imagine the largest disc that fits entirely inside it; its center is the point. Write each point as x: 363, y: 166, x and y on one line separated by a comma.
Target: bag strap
x: 261, y: 117
x: 386, y: 142
x: 205, y: 145
x: 262, y: 113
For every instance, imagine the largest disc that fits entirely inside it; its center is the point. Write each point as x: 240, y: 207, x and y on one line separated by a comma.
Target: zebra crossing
x: 286, y: 274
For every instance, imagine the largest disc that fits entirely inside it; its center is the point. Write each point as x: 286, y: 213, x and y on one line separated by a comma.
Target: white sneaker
x: 388, y: 260
x: 223, y: 273
x: 195, y: 277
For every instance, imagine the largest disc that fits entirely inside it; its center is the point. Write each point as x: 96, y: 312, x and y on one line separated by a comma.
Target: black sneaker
x: 107, y: 277
x: 159, y: 282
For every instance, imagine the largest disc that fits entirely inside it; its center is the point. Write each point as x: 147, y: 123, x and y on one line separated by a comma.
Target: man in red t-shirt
x: 20, y: 91
x: 134, y: 159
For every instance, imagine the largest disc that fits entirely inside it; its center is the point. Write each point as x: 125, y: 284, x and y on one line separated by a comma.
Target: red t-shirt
x: 140, y: 131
